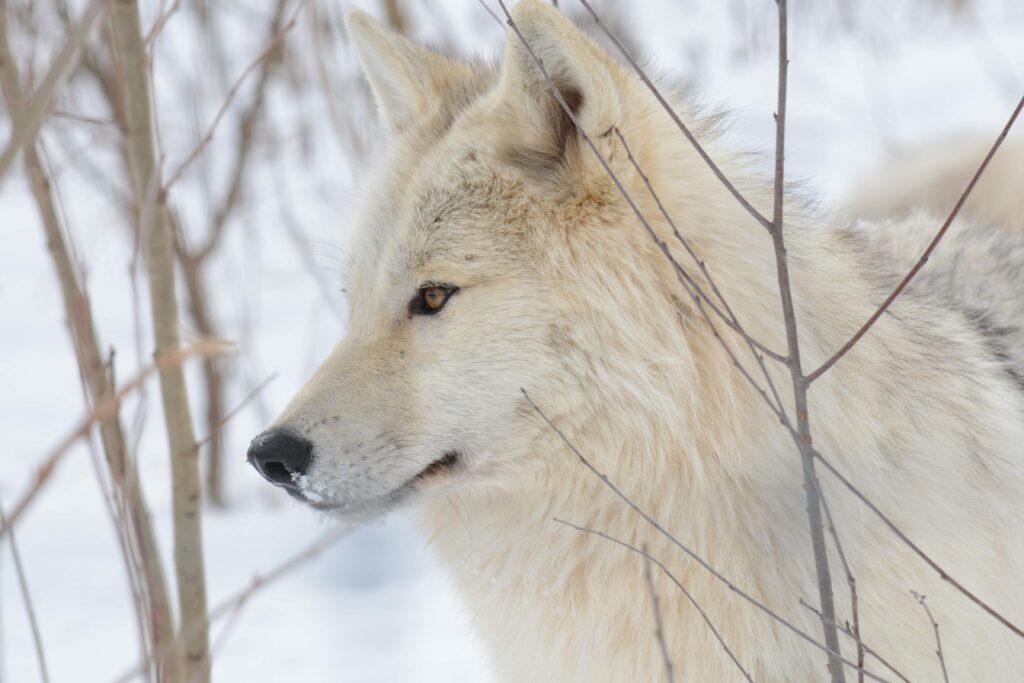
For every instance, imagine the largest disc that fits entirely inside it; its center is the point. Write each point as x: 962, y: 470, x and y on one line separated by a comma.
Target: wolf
x: 497, y: 267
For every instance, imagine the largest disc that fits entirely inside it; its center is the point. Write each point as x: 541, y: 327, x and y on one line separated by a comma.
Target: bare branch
x: 685, y: 280
x: 24, y: 126
x: 924, y: 256
x: 851, y: 582
x: 679, y: 544
x: 491, y: 12
x: 675, y: 118
x: 935, y: 625
x: 812, y: 489
x: 246, y: 129
x: 725, y: 312
x: 264, y: 54
x: 26, y: 596
x: 161, y: 21
x: 659, y: 630
x: 155, y: 230
x: 679, y: 585
x: 861, y: 645
x: 913, y: 546
x: 237, y: 409
x: 233, y: 604
x: 142, y: 560
x: 101, y: 411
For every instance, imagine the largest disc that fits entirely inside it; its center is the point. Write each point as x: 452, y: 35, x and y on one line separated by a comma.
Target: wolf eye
x: 431, y: 299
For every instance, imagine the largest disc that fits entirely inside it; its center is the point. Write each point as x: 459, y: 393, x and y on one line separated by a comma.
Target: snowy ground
x: 375, y: 607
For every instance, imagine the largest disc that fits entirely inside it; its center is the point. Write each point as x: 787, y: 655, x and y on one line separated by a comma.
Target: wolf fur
x: 932, y: 178
x: 487, y: 187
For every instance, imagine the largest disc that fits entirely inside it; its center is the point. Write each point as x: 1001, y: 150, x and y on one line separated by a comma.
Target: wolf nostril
x: 280, y: 456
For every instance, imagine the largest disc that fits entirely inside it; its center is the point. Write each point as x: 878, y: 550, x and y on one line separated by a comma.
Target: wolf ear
x: 406, y: 78
x: 581, y: 71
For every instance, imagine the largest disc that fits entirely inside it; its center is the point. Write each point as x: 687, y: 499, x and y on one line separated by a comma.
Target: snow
x: 375, y: 606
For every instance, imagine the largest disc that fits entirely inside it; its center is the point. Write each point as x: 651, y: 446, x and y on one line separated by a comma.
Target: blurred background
x: 261, y: 211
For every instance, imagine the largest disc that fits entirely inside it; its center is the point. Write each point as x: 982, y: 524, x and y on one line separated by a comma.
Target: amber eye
x: 431, y: 299
x: 434, y: 297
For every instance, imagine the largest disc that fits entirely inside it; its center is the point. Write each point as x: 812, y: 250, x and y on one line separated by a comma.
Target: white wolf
x: 493, y: 253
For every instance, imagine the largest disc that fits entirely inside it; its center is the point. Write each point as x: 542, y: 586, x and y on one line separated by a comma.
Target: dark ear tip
x: 573, y: 99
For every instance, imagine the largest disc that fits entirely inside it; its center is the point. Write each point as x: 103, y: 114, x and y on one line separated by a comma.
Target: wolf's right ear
x: 406, y: 78
x: 550, y: 66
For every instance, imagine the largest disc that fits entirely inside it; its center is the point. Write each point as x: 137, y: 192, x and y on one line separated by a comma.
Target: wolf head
x: 489, y: 244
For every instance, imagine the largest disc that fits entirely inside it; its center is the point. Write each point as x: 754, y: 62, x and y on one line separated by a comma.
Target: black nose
x: 280, y: 457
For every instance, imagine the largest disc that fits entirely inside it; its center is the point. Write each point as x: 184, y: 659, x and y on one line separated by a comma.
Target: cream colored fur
x: 934, y: 176
x: 564, y: 294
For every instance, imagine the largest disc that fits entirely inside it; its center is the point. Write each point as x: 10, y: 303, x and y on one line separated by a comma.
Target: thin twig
x: 757, y: 215
x: 812, y: 490
x: 685, y: 280
x: 159, y: 24
x: 913, y: 546
x: 100, y: 412
x: 672, y: 577
x: 659, y: 629
x: 156, y: 233
x: 935, y: 626
x: 725, y: 312
x: 924, y: 256
x: 25, y: 126
x: 33, y: 622
x: 248, y: 121
x: 679, y: 544
x: 237, y: 409
x: 861, y: 645
x: 851, y: 582
x: 208, y: 136
x: 129, y: 506
x: 491, y: 12
x: 235, y: 602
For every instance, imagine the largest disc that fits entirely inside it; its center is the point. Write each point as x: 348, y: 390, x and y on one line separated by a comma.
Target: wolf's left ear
x: 406, y: 78
x: 581, y: 71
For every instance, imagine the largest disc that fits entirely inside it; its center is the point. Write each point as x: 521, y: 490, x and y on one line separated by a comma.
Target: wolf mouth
x: 443, y: 464
x: 374, y: 507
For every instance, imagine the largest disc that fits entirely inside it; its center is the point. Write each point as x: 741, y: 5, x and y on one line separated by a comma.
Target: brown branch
x: 725, y: 312
x: 230, y: 606
x: 25, y: 126
x: 143, y: 564
x: 813, y: 493
x: 757, y: 215
x: 659, y: 630
x: 685, y: 280
x: 156, y: 232
x: 491, y: 12
x: 160, y: 22
x: 101, y: 412
x: 648, y: 558
x: 679, y: 544
x: 924, y: 256
x: 851, y: 582
x: 811, y: 488
x: 266, y: 52
x: 237, y: 409
x: 26, y: 596
x: 913, y: 546
x: 935, y: 625
x: 861, y: 645
x: 248, y: 121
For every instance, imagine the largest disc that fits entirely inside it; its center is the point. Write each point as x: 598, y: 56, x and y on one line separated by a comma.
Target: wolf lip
x: 381, y: 505
x: 442, y: 464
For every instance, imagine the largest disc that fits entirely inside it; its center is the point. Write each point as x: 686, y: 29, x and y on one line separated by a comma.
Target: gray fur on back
x: 977, y: 269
